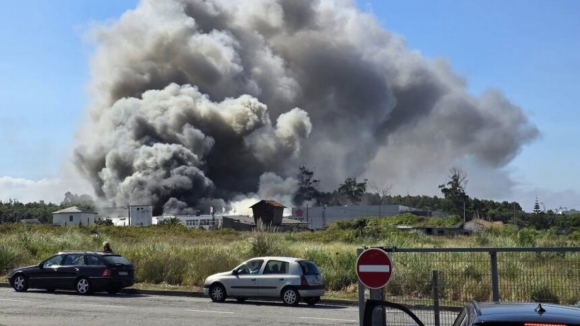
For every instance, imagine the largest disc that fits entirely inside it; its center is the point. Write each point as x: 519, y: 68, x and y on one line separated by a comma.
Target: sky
x: 528, y: 49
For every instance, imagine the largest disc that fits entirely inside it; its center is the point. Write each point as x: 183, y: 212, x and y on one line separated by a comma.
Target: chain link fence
x: 436, y: 282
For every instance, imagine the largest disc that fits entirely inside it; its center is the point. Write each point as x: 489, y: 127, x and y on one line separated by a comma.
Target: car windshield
x: 116, y: 260
x: 308, y: 268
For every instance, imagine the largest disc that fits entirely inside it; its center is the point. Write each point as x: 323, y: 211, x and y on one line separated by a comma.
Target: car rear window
x: 308, y: 268
x: 116, y: 260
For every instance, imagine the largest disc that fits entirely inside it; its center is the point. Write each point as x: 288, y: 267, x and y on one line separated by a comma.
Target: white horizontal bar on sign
x: 374, y: 268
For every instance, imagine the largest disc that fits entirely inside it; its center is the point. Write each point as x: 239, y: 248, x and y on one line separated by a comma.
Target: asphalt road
x: 67, y: 308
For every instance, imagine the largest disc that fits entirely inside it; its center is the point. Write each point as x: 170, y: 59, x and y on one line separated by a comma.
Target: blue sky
x: 529, y: 49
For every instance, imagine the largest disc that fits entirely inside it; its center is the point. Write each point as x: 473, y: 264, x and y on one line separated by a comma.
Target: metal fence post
x: 379, y: 314
x: 494, y: 276
x: 436, y: 297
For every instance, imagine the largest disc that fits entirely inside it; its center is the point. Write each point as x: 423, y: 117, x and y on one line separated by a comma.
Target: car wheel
x: 312, y: 301
x: 83, y: 286
x: 20, y: 283
x: 290, y: 297
x: 217, y: 293
x: 241, y: 299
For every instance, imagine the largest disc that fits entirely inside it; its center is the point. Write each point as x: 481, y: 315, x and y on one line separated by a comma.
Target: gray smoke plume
x: 194, y: 100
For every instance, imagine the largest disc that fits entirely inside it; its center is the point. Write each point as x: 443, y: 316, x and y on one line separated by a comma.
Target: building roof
x: 72, y: 209
x: 269, y: 202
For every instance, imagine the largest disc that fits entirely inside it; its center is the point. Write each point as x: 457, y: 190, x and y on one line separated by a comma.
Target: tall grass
x: 180, y: 256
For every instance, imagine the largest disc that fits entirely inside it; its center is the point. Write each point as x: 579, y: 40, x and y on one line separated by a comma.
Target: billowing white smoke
x: 185, y: 93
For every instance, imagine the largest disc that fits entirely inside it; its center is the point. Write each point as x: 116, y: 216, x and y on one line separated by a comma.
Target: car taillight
x: 303, y: 281
x: 107, y: 272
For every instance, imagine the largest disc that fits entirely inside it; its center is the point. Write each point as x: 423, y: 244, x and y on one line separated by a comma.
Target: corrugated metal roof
x: 270, y: 202
x: 72, y: 209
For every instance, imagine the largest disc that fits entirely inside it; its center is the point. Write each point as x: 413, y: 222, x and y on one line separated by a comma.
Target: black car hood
x: 23, y: 269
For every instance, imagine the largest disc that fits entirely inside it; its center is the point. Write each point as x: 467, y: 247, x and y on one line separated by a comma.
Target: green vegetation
x: 174, y: 256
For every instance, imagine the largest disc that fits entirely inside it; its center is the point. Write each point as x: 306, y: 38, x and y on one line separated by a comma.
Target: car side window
x: 74, y: 260
x: 276, y: 267
x: 250, y: 267
x: 94, y: 261
x: 53, y: 261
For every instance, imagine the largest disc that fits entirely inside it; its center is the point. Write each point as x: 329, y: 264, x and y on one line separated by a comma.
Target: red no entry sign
x: 374, y: 268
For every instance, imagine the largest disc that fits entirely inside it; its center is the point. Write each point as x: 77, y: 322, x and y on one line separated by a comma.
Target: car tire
x: 312, y: 300
x: 217, y: 293
x: 241, y: 299
x: 20, y: 283
x: 83, y: 286
x: 290, y: 296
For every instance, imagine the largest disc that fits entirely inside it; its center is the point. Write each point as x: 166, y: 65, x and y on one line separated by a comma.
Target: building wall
x: 141, y: 215
x: 68, y: 219
x: 320, y: 217
x: 269, y: 214
x: 201, y: 221
x: 232, y: 223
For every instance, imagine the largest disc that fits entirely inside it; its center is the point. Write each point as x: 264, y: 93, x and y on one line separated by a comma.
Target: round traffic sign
x: 374, y: 268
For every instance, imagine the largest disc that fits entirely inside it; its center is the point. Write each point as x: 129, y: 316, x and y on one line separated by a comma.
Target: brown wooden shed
x: 269, y: 211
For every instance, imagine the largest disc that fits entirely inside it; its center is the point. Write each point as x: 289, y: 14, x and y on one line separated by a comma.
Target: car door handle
x: 76, y: 269
x: 253, y: 279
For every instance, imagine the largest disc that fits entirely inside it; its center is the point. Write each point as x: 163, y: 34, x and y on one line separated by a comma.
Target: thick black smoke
x: 193, y: 100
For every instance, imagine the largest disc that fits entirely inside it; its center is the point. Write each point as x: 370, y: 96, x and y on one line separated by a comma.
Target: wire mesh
x: 465, y: 274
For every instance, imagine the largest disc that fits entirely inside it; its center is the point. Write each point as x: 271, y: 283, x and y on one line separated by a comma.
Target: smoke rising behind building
x: 195, y: 101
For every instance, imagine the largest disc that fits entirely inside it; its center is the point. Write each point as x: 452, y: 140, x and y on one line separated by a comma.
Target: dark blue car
x: 83, y: 271
x: 492, y: 314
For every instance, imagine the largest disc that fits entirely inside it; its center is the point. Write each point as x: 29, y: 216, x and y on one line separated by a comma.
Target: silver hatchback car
x: 288, y: 278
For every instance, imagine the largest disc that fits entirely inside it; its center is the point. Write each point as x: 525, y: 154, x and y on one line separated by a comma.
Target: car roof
x: 288, y: 259
x: 526, y: 312
x: 86, y: 252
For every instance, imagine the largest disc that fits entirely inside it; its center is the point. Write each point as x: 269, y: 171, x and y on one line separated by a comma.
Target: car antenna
x: 539, y: 309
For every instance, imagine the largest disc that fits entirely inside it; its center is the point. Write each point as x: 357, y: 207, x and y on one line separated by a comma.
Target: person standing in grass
x: 107, y: 248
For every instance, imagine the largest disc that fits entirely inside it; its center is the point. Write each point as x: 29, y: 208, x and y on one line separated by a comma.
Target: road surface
x: 67, y: 308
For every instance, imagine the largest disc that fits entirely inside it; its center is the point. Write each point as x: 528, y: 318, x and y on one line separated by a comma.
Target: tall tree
x: 537, y: 209
x: 382, y: 191
x: 454, y: 191
x: 307, y: 186
x: 353, y: 190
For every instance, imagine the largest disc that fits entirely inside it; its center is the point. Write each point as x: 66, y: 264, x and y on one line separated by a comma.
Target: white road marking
x: 374, y: 268
x: 211, y: 311
x: 331, y: 319
x: 13, y: 300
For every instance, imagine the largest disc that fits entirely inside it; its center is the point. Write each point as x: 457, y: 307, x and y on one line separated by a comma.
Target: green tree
x: 84, y: 201
x: 454, y: 191
x: 307, y: 186
x: 537, y: 209
x: 353, y: 190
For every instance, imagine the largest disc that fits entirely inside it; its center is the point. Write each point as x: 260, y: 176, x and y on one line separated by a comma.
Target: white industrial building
x: 319, y: 217
x: 195, y: 221
x: 73, y: 216
x: 140, y: 215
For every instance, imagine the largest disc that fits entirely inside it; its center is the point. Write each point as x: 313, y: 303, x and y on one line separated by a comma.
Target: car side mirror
x: 235, y: 272
x: 40, y: 265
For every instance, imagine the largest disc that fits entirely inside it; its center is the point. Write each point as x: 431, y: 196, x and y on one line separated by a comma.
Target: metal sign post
x: 374, y: 269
